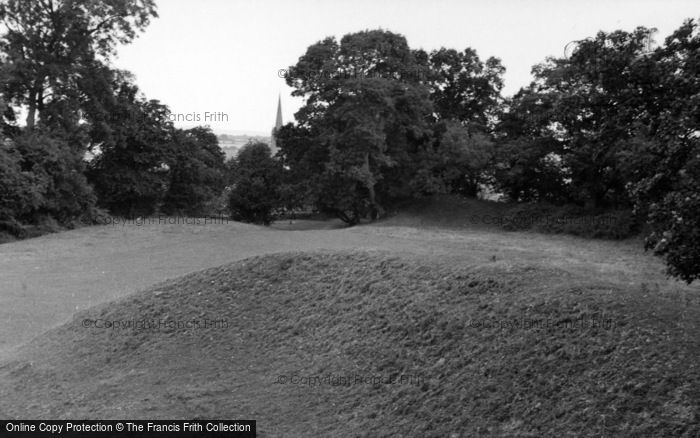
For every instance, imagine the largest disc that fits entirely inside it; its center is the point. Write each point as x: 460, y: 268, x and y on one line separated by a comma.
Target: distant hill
x: 230, y: 144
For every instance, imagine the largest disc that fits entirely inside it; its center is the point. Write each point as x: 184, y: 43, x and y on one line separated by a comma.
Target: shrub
x: 19, y: 194
x: 42, y: 185
x: 676, y: 233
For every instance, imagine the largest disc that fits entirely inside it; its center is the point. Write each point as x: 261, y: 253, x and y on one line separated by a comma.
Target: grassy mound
x: 368, y: 344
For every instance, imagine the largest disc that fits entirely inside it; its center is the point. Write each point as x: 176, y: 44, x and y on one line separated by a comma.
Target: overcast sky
x: 223, y: 56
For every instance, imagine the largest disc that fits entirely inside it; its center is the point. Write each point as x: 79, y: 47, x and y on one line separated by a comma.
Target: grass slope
x: 349, y: 317
x: 459, y: 213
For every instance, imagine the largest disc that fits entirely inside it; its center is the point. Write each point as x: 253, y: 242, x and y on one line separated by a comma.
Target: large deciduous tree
x: 255, y: 181
x: 369, y: 118
x: 463, y: 158
x: 597, y: 96
x: 615, y: 125
x: 464, y: 88
x: 47, y: 45
x: 664, y: 155
x: 130, y: 171
x: 528, y: 155
x: 197, y: 172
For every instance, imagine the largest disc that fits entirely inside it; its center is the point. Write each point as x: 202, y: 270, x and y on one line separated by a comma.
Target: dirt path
x: 44, y: 281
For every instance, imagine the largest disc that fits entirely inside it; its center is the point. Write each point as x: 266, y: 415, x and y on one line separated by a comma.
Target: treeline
x: 614, y: 127
x: 91, y: 143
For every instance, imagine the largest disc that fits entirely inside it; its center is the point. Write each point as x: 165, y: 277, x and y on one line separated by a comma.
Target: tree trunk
x: 36, y: 103
x: 31, y: 114
x: 376, y: 210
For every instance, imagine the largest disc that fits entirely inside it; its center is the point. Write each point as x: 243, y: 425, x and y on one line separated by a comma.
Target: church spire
x: 278, y: 125
x: 278, y: 122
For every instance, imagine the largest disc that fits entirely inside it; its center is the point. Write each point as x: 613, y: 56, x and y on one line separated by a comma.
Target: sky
x: 217, y: 62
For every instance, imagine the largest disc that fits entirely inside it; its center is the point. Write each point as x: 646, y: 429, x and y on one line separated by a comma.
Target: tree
x: 464, y: 156
x: 464, y: 88
x: 615, y: 125
x: 370, y: 113
x: 596, y: 98
x: 46, y: 44
x: 329, y: 70
x: 303, y: 159
x: 53, y: 63
x: 197, y: 171
x: 664, y: 157
x: 42, y: 178
x: 369, y: 139
x: 528, y: 153
x: 130, y: 171
x: 255, y: 176
x: 20, y: 195
x: 367, y: 118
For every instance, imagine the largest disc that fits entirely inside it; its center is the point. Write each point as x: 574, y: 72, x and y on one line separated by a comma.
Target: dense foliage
x: 614, y: 126
x: 41, y: 180
x: 383, y: 123
x: 90, y: 138
x: 611, y: 129
x: 665, y: 178
x: 255, y: 184
x: 197, y: 172
x: 53, y: 57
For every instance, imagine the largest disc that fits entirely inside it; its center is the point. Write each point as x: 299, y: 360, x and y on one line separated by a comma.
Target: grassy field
x: 409, y: 327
